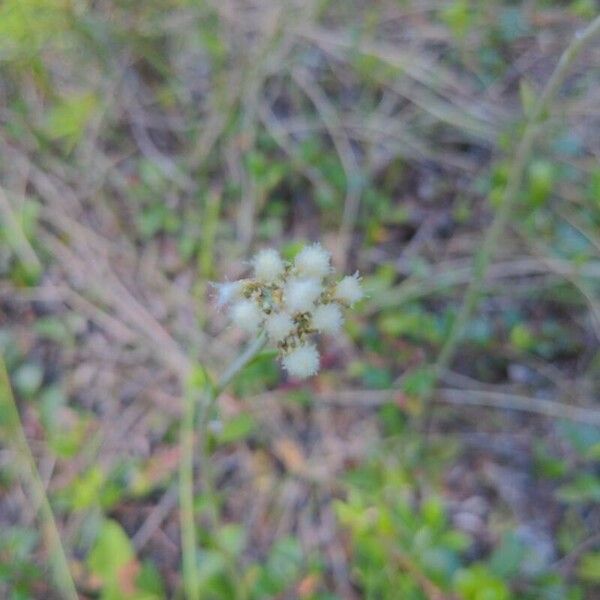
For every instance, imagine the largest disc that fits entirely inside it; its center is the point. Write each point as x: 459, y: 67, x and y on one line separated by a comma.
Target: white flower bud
x: 313, y: 261
x: 302, y: 362
x: 349, y: 290
x: 246, y: 315
x: 327, y: 318
x: 279, y: 326
x: 300, y: 295
x: 227, y: 292
x: 268, y: 265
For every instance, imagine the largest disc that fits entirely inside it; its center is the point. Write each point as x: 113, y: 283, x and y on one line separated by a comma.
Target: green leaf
x: 66, y: 440
x: 521, y: 337
x: 585, y: 488
x: 478, y: 583
x: 69, y: 118
x: 377, y: 378
x: 282, y: 568
x: 547, y: 465
x: 589, y: 567
x: 419, y: 382
x: 541, y: 181
x: 110, y: 553
x: 198, y: 378
x: 458, y: 15
x: 433, y: 513
x: 211, y: 564
x: 231, y: 538
x: 264, y: 356
x: 456, y: 540
x: 238, y: 428
x: 150, y: 582
x: 85, y: 490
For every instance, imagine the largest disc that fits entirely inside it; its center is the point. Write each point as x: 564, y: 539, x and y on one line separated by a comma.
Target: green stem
x: 509, y: 200
x: 209, y: 395
x: 239, y: 363
x: 9, y: 414
x: 191, y: 581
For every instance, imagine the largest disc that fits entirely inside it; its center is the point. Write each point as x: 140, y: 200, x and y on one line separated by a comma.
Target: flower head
x: 327, y: 318
x: 268, y: 265
x: 291, y: 302
x: 349, y: 290
x: 300, y: 295
x: 246, y: 315
x: 313, y: 261
x: 302, y: 361
x: 278, y: 326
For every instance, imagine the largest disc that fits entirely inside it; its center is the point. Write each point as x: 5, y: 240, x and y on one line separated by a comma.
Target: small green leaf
x: 150, y: 582
x: 231, y: 538
x: 458, y: 15
x: 585, y: 488
x: 69, y: 118
x: 419, y: 382
x: 478, y: 583
x: 521, y: 337
x: 433, y: 512
x: 198, y: 378
x: 589, y: 567
x: 282, y: 568
x: 85, y: 490
x: 211, y: 564
x: 111, y: 552
x: 238, y: 428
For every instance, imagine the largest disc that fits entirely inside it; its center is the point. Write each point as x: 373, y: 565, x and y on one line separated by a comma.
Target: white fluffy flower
x: 246, y: 315
x: 349, y: 289
x: 327, y: 318
x: 268, y: 265
x: 302, y: 362
x: 279, y: 326
x: 313, y: 261
x: 300, y: 295
x: 227, y: 292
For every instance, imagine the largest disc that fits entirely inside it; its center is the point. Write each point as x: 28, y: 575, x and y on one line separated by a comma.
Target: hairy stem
x: 11, y: 420
x: 239, y: 363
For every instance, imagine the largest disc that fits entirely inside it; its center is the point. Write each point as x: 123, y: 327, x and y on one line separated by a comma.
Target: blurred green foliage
x: 395, y: 509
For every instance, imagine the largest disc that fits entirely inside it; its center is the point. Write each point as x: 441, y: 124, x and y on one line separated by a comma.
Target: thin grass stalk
x: 57, y: 558
x: 191, y: 580
x: 509, y: 199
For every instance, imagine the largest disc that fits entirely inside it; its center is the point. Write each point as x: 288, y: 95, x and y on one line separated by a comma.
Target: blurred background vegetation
x: 148, y: 148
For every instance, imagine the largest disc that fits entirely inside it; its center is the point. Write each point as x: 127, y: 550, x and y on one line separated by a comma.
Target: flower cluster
x: 291, y: 301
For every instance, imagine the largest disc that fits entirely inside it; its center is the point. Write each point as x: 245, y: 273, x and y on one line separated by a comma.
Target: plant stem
x: 191, y: 582
x: 9, y: 416
x: 239, y: 363
x: 509, y: 200
x: 209, y: 396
